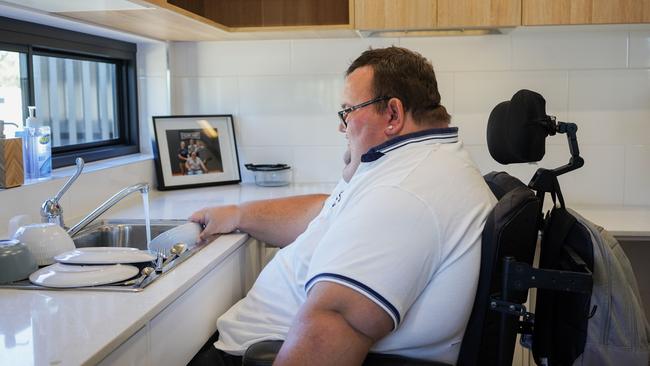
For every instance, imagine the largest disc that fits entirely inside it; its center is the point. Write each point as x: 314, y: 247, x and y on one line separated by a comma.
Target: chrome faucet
x: 117, y: 197
x: 51, y: 210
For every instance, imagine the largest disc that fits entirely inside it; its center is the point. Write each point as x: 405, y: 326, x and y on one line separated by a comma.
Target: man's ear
x: 395, y: 111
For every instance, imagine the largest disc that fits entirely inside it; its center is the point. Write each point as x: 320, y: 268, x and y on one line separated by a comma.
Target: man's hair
x: 405, y: 75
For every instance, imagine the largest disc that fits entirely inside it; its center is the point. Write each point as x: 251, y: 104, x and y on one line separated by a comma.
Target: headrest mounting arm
x: 545, y: 180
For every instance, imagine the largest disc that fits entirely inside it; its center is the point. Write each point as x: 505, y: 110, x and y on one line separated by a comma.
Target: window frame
x: 38, y: 39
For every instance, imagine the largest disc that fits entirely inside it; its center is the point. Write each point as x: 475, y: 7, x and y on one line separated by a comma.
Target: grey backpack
x: 608, y: 327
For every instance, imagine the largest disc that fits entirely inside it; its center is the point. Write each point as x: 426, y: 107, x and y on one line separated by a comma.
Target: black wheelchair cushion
x: 515, y: 133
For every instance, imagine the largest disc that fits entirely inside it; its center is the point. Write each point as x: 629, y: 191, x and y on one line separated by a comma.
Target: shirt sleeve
x: 385, y: 245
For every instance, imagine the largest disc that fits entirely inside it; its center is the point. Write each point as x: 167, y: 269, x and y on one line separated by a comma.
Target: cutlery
x: 160, y: 257
x: 146, y: 271
x: 176, y: 250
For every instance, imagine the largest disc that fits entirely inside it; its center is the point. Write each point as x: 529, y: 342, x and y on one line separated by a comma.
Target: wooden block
x: 11, y: 163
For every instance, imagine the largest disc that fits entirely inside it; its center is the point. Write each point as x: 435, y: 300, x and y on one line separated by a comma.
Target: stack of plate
x: 91, y: 267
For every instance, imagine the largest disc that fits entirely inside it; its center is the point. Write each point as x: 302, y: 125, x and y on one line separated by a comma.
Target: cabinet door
x: 133, y: 352
x: 551, y: 12
x: 395, y: 14
x: 479, y: 13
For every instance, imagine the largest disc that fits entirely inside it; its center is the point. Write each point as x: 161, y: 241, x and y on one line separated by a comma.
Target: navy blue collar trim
x: 441, y: 135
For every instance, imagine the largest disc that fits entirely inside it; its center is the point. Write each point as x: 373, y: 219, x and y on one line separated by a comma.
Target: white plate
x: 65, y: 276
x: 104, y: 255
x: 187, y: 234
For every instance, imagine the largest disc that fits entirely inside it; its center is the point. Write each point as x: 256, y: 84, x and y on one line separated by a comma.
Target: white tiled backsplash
x: 284, y: 96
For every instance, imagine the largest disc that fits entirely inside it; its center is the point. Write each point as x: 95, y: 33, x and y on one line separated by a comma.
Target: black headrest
x: 514, y: 131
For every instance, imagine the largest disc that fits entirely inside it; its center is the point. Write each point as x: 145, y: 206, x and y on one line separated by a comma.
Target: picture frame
x: 195, y: 151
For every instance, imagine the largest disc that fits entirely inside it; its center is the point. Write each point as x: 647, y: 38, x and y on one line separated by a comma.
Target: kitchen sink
x: 122, y: 233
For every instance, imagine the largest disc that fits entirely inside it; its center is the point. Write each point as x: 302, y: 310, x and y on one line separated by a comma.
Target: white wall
x: 153, y: 89
x: 284, y: 96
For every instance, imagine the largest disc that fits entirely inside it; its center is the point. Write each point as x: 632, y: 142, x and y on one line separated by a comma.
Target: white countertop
x: 75, y: 327
x: 620, y: 221
x: 52, y: 327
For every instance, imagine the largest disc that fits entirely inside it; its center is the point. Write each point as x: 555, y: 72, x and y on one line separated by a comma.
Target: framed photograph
x: 195, y: 151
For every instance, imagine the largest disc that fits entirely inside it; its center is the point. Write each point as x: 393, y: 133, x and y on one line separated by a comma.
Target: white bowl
x: 44, y: 241
x: 16, y: 261
x: 187, y: 234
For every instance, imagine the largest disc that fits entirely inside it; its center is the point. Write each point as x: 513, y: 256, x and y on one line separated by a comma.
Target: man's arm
x: 277, y: 222
x: 335, y: 326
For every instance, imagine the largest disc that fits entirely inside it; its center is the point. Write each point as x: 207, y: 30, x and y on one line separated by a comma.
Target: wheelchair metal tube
x: 507, y: 330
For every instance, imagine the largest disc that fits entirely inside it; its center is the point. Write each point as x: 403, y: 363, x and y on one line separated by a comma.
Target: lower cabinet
x: 175, y: 334
x: 133, y: 352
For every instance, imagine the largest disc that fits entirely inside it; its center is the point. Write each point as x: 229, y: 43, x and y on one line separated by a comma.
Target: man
x: 194, y: 165
x: 182, y: 157
x: 389, y: 261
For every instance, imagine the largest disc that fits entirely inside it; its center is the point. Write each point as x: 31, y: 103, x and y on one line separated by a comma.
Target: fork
x: 160, y: 258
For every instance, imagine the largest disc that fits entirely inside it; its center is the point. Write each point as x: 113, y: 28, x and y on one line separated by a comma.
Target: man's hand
x: 276, y: 222
x: 335, y: 326
x: 217, y: 220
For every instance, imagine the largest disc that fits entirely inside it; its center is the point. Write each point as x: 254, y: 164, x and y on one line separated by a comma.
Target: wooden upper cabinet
x: 479, y: 13
x: 395, y: 14
x: 550, y: 12
x: 157, y: 19
x: 270, y: 13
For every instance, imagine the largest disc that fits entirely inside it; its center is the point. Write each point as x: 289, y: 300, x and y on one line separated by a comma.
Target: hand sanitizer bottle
x: 29, y: 152
x: 42, y: 145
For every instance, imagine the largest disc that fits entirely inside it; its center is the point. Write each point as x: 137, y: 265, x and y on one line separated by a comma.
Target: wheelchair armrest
x: 263, y: 354
x: 378, y: 359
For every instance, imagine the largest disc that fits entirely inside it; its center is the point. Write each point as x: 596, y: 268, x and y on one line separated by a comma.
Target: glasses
x: 343, y: 114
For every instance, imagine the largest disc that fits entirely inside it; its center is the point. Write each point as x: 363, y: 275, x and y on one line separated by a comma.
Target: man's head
x: 388, y: 92
x: 405, y: 75
x: 182, y: 144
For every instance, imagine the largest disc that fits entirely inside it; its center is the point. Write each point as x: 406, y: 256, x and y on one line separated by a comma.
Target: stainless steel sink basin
x: 121, y: 233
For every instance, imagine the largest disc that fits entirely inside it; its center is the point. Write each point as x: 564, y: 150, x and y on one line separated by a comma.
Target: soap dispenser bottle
x: 29, y: 153
x: 41, y: 146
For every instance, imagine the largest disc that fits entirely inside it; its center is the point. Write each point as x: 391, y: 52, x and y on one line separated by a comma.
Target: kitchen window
x: 83, y: 87
x: 13, y: 85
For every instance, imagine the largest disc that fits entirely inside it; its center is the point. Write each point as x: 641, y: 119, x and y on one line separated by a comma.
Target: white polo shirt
x: 405, y: 232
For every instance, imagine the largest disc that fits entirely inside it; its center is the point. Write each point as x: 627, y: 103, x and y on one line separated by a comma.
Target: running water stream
x: 147, y: 220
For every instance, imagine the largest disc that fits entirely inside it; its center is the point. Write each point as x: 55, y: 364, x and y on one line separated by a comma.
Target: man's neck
x: 411, y: 127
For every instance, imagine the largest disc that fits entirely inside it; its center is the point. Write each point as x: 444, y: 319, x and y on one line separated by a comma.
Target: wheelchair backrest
x: 510, y: 231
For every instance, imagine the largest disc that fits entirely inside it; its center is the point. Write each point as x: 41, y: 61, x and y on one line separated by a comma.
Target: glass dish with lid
x: 271, y: 175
